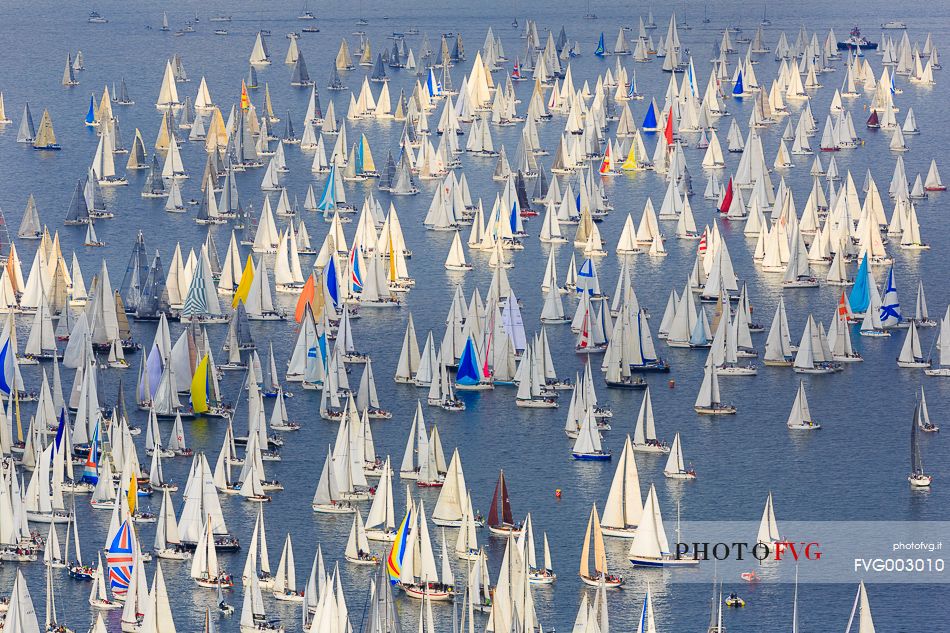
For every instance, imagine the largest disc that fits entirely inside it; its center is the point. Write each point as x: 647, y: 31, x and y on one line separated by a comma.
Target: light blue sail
x: 860, y: 297
x: 328, y: 197
x: 356, y: 274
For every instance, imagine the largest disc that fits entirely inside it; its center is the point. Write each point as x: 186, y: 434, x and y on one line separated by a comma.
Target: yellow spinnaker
x: 199, y: 387
x: 133, y: 494
x: 244, y: 286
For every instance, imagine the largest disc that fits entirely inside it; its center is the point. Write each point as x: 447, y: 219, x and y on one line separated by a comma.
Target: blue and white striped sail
x: 890, y: 303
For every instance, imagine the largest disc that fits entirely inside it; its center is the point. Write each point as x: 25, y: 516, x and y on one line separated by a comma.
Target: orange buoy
x: 557, y: 493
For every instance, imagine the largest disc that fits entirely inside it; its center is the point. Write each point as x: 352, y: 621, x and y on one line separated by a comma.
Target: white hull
x: 362, y: 561
x: 333, y: 508
x: 804, y: 426
x: 541, y: 578
x: 920, y: 481
x: 537, y: 404
x: 613, y: 583
x: 650, y: 448
x: 627, y: 532
x: 737, y: 371
x: 435, y: 595
x: 381, y: 536
x: 104, y: 605
x: 47, y: 518
x: 637, y: 561
x: 482, y: 386
x: 172, y: 554
x: 722, y: 409
x: 943, y: 372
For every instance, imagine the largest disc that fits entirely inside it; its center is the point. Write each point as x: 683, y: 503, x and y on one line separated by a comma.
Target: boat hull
x: 683, y: 476
x: 627, y: 532
x: 537, y: 404
x: 324, y: 508
x: 381, y: 536
x: 650, y: 448
x: 638, y: 561
x: 434, y: 594
x: 504, y: 530
x: 591, y: 457
x: 362, y: 561
x: 610, y: 583
x: 715, y: 410
x: 173, y: 554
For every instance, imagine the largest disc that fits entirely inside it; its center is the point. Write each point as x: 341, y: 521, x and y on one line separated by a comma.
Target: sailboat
x: 45, y: 137
x: 253, y: 617
x: 285, y: 581
x: 623, y: 506
x: 500, y: 518
x: 861, y: 609
x: 418, y: 576
x: 768, y: 533
x: 328, y: 499
x: 644, y: 435
x: 205, y: 569
x: 456, y: 257
x: 168, y: 543
x: 98, y: 598
x: 675, y: 465
x: 708, y: 400
x: 587, y: 445
x: 799, y: 418
x: 91, y: 239
x: 650, y: 547
x: 536, y: 575
x: 917, y: 477
x: 943, y: 349
x: 911, y: 355
x: 357, y: 544
x: 923, y: 418
x: 594, y: 537
x: 380, y: 522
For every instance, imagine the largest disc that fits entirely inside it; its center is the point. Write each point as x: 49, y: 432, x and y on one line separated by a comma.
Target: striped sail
x: 398, y: 550
x: 120, y: 559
